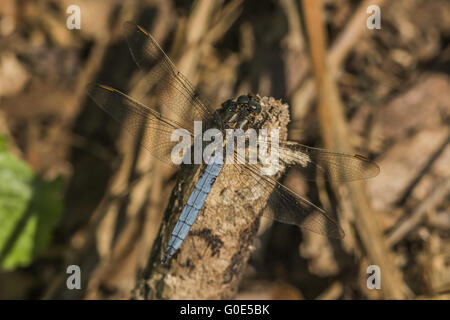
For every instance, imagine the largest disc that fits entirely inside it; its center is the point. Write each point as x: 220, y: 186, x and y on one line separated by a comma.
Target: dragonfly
x: 177, y: 94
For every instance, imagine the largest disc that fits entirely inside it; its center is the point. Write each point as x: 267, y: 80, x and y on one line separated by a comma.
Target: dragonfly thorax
x: 239, y: 114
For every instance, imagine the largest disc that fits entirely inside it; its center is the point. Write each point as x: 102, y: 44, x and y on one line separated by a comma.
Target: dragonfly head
x: 254, y: 105
x: 237, y: 113
x: 249, y: 103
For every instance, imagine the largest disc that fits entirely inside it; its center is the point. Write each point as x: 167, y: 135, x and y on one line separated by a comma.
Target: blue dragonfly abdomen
x: 194, y: 204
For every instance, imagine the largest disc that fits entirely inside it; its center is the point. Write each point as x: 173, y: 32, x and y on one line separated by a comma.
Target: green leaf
x: 2, y: 144
x: 30, y: 208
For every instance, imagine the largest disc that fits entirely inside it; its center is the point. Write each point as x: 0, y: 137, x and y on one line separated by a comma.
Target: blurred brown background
x: 393, y: 83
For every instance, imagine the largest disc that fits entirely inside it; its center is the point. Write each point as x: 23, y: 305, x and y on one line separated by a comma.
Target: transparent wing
x: 335, y: 166
x: 171, y: 87
x: 286, y: 206
x: 141, y: 121
x: 149, y: 125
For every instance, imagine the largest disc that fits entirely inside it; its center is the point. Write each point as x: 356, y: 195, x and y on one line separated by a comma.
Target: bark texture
x: 211, y: 260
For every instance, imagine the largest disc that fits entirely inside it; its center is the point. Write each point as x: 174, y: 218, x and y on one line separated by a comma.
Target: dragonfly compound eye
x: 242, y: 100
x: 255, y: 106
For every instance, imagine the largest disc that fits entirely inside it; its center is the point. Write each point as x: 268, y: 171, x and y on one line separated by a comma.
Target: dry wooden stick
x: 400, y: 202
x: 203, y: 27
x: 333, y: 292
x: 223, y: 20
x: 295, y: 38
x: 211, y: 260
x: 355, y: 28
x: 196, y: 28
x: 335, y: 134
x: 436, y: 196
x: 352, y: 32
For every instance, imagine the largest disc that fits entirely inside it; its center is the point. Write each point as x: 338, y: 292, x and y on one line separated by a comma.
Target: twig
x: 304, y: 95
x: 422, y: 172
x: 333, y: 292
x: 201, y: 30
x: 224, y: 20
x: 436, y: 196
x: 335, y: 134
x: 212, y: 258
x: 351, y: 34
